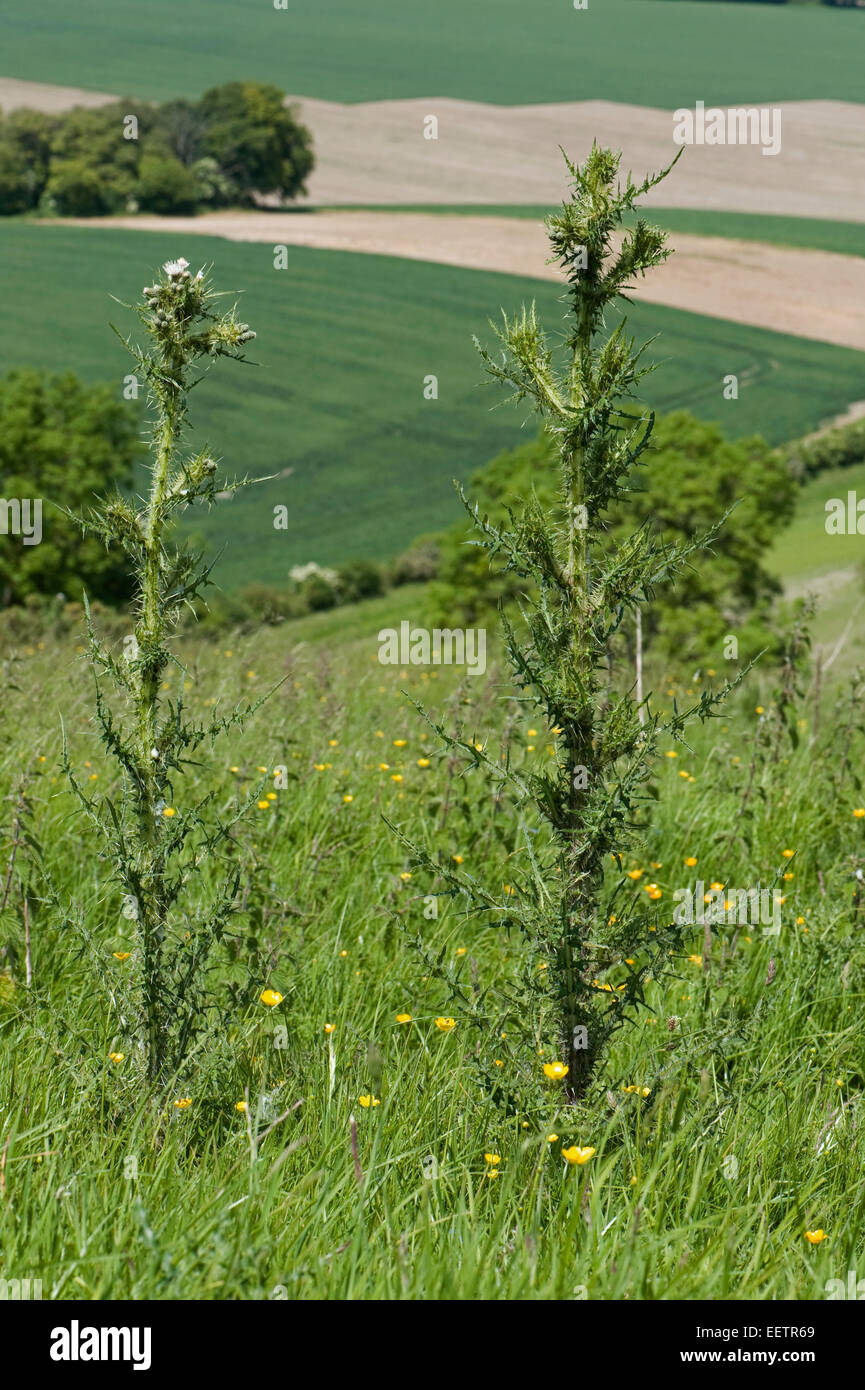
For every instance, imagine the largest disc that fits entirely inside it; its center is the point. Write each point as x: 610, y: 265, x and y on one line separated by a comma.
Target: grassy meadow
x: 340, y: 51
x: 751, y: 1128
x: 335, y: 407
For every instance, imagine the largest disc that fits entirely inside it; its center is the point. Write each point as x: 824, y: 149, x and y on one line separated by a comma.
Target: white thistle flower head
x: 174, y: 268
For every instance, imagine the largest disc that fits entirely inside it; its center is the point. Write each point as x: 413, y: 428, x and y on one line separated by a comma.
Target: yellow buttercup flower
x: 116, y: 1056
x: 461, y: 950
x: 183, y: 1104
x: 445, y: 1025
x: 492, y: 1159
x: 556, y: 1071
x: 577, y: 1155
x: 170, y: 811
x: 329, y: 1027
x: 815, y: 1237
x: 240, y: 1105
x: 695, y: 960
x: 457, y: 858
x: 788, y: 853
x: 403, y: 1018
x: 271, y: 997
x: 691, y: 861
x: 367, y: 1101
x: 859, y: 812
x: 423, y: 762
x: 121, y: 955
x: 399, y: 743
x: 552, y: 1138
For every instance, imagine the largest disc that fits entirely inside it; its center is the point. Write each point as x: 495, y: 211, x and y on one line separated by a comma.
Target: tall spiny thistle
x: 581, y: 587
x: 156, y: 850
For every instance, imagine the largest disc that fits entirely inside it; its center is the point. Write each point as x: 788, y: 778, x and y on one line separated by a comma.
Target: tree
x: 93, y: 169
x: 585, y: 802
x: 60, y: 442
x: 25, y: 146
x: 256, y: 140
x: 165, y: 185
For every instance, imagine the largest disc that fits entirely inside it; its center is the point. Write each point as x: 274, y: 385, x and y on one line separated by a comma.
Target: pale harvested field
x: 375, y: 152
x: 811, y: 294
x: 42, y: 96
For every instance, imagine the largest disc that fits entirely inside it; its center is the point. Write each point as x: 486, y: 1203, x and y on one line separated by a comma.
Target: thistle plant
x: 157, y: 851
x: 580, y: 587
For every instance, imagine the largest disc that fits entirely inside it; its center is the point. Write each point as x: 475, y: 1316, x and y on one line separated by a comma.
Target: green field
x: 500, y: 51
x: 345, y: 342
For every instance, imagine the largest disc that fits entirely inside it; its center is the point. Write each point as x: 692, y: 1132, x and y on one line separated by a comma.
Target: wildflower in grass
x: 457, y: 858
x: 691, y: 861
x: 492, y: 1159
x: 343, y: 954
x: 271, y: 997
x: 552, y: 1138
x: 788, y: 853
x: 264, y: 805
x: 445, y: 1025
x: 695, y: 960
x: 183, y: 1104
x: 461, y: 950
x: 577, y: 1155
x: 671, y: 753
x: 399, y: 742
x: 815, y: 1237
x: 396, y: 776
x: 655, y: 894
x: 240, y: 1105
x: 760, y: 710
x: 348, y: 799
x: 121, y: 955
x: 498, y: 1063
x: 423, y: 762
x: 403, y: 1018
x: 329, y: 1027
x: 555, y: 1071
x: 859, y: 812
x: 405, y: 877
x: 368, y: 1101
x: 635, y: 874
x: 116, y: 1056
x: 168, y: 811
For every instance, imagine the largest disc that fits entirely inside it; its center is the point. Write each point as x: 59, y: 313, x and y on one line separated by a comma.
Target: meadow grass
x: 345, y: 342
x: 752, y: 1129
x: 493, y: 52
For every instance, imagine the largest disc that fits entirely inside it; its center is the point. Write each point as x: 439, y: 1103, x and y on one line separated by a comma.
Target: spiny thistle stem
x: 154, y: 856
x: 583, y: 584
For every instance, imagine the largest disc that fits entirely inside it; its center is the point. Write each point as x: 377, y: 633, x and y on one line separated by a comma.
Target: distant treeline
x: 238, y: 142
